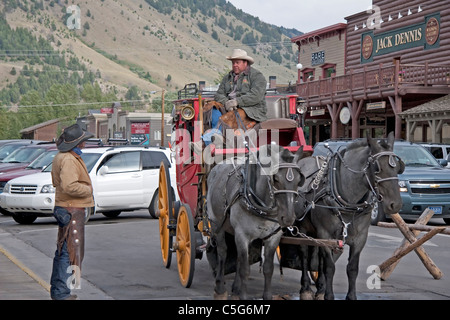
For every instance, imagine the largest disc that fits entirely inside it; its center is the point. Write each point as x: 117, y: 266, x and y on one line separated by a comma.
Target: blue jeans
x: 214, y: 121
x: 59, y: 289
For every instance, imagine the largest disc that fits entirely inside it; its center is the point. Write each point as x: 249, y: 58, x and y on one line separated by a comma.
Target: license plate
x: 437, y: 210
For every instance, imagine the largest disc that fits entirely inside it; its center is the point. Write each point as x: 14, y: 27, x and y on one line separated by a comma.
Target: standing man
x: 73, y: 194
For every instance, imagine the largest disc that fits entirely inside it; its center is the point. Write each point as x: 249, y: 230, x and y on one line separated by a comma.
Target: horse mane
x: 357, y: 144
x: 383, y: 143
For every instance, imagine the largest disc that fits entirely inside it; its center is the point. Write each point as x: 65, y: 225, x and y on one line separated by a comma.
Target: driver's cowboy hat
x: 71, y: 137
x: 239, y: 54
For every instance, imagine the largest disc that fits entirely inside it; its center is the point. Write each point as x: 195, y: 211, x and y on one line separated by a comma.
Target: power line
x: 80, y: 103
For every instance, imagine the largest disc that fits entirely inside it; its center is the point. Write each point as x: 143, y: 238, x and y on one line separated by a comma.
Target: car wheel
x: 111, y: 214
x: 24, y: 218
x: 153, y: 207
x: 377, y: 214
x: 88, y: 213
x: 5, y: 212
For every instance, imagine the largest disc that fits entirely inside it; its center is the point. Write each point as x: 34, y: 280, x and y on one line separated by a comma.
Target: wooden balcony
x: 377, y: 82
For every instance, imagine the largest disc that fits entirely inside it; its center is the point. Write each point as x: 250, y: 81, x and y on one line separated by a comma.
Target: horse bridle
x: 253, y: 202
x: 374, y: 159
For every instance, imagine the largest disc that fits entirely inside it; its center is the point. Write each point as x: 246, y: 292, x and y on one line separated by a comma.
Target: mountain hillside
x: 130, y: 49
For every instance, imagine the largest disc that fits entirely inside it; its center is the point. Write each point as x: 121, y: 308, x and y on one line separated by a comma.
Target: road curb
x: 38, y: 266
x: 25, y: 269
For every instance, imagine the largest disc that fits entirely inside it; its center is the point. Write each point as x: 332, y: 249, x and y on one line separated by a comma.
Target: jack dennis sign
x: 425, y: 34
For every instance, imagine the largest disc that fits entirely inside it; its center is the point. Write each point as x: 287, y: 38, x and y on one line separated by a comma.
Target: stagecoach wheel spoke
x: 278, y: 254
x: 185, y: 246
x: 165, y: 205
x: 314, y: 275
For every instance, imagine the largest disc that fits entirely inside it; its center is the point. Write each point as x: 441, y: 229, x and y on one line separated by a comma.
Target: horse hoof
x: 320, y: 296
x: 221, y: 296
x: 307, y: 295
x: 268, y: 297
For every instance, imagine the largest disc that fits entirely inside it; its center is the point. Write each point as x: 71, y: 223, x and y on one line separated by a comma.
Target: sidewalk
x: 18, y: 282
x: 25, y: 274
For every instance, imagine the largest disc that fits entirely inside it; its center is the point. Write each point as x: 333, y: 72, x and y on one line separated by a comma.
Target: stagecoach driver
x: 243, y: 87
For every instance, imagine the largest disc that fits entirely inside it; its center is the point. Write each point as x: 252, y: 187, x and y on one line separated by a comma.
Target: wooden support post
x: 423, y: 219
x: 410, y: 238
x: 413, y: 227
x: 411, y: 247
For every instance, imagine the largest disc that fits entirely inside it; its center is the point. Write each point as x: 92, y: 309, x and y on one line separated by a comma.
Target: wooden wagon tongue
x: 299, y: 238
x: 335, y: 245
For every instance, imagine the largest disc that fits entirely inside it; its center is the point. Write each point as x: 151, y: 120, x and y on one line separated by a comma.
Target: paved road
x: 123, y: 261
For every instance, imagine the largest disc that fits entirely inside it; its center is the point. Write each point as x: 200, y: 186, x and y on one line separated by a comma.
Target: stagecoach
x: 183, y: 223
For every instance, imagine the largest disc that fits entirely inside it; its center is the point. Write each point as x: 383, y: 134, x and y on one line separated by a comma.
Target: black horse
x: 247, y: 206
x: 342, y: 190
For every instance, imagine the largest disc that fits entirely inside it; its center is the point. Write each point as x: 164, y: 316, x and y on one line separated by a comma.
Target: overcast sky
x: 303, y: 15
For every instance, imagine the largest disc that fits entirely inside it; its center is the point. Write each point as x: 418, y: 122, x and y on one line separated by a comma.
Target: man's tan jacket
x: 71, y: 180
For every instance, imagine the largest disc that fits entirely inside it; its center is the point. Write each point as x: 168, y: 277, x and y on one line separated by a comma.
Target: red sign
x: 140, y: 127
x: 107, y: 110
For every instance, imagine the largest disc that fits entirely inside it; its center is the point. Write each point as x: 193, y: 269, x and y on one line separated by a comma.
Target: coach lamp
x: 301, y: 111
x: 187, y: 112
x: 301, y: 107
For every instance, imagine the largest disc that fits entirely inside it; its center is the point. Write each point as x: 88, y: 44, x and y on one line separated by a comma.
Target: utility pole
x: 162, y: 119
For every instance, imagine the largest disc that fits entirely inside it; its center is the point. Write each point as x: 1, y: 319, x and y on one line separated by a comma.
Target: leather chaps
x: 73, y: 234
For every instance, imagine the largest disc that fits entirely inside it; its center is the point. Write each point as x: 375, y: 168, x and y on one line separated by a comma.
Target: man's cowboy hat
x: 239, y: 54
x: 71, y: 137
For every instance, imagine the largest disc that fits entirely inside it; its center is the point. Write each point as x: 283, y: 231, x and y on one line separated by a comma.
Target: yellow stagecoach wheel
x: 278, y: 253
x: 185, y: 245
x: 165, y: 208
x: 314, y: 275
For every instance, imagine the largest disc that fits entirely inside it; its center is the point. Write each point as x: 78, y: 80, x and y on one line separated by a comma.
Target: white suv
x: 123, y: 178
x: 438, y: 150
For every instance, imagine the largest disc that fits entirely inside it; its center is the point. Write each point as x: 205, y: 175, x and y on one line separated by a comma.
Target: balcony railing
x: 376, y: 81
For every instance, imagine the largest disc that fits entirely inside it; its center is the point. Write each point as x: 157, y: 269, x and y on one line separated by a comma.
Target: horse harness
x: 250, y: 199
x: 330, y: 193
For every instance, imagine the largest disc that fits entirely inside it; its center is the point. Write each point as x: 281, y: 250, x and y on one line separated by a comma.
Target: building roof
x: 306, y: 36
x: 439, y: 105
x: 39, y: 125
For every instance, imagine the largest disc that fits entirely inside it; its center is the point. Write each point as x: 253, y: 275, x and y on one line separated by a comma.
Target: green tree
x: 203, y: 27
x: 31, y: 98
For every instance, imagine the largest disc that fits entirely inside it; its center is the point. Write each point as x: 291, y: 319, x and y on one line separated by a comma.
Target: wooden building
x: 137, y: 128
x: 396, y: 58
x: 45, y: 131
x: 322, y: 53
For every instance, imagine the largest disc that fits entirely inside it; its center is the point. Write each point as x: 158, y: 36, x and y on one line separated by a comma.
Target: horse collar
x: 364, y: 203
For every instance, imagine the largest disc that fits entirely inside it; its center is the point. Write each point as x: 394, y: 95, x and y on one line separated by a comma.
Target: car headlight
x: 48, y: 188
x: 6, y: 187
x: 402, y: 186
